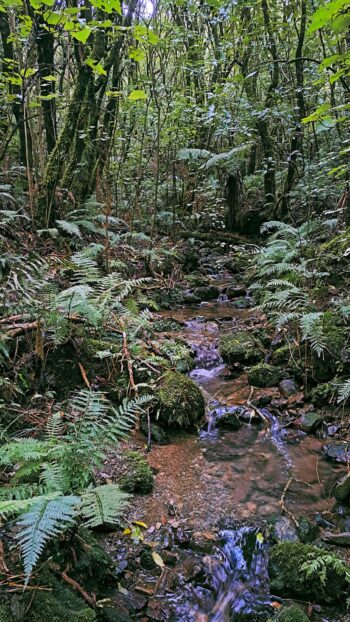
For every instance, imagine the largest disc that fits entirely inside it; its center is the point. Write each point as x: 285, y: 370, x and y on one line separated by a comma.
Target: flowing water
x: 234, y: 475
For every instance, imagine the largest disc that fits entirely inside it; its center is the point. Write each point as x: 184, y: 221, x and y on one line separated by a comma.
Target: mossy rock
x: 180, y: 402
x: 166, y: 324
x: 139, y: 477
x: 281, y: 355
x: 207, y: 292
x: 264, y: 375
x: 292, y: 613
x: 322, y: 394
x: 59, y: 605
x: 240, y: 347
x: 289, y: 577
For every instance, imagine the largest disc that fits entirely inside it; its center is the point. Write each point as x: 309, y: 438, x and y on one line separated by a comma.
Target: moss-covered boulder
x: 240, y: 347
x: 323, y: 394
x: 139, y: 476
x: 281, y: 355
x: 180, y: 402
x: 207, y: 292
x: 307, y: 572
x: 335, y: 338
x: 264, y: 375
x: 291, y: 613
x: 61, y: 604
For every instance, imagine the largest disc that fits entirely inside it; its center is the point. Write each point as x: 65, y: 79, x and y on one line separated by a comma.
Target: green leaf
x: 80, y: 35
x: 96, y: 66
x: 136, y: 95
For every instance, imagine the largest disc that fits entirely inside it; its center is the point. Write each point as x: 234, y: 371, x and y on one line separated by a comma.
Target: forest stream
x: 217, y: 492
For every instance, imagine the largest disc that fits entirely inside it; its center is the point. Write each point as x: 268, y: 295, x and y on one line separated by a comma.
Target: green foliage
x: 45, y: 520
x: 102, y: 505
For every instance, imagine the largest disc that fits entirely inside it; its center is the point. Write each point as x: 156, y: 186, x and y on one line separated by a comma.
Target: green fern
x: 103, y: 505
x: 45, y: 520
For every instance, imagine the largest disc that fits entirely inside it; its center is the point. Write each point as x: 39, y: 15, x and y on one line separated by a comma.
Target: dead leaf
x: 157, y: 559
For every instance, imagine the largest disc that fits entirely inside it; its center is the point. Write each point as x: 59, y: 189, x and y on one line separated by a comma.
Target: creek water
x: 233, y: 475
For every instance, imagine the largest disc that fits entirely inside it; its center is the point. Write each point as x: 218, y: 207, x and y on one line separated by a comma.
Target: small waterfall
x: 241, y: 581
x: 276, y: 434
x: 222, y: 297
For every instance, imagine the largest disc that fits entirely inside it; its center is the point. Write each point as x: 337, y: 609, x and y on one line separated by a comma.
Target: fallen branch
x: 220, y: 236
x: 256, y: 409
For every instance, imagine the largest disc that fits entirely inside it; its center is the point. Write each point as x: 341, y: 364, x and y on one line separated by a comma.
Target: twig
x: 255, y: 408
x: 283, y: 505
x: 83, y: 373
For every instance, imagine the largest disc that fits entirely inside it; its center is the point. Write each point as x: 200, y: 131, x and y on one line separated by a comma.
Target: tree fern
x: 103, y: 505
x: 46, y: 520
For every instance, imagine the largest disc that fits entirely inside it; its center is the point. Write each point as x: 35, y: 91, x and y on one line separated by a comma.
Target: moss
x: 289, y: 578
x: 5, y: 613
x: 240, y: 347
x: 139, y: 478
x: 337, y: 245
x: 322, y: 394
x: 207, y: 292
x: 281, y: 355
x: 264, y: 375
x: 292, y: 613
x: 167, y: 324
x: 59, y: 605
x: 180, y: 402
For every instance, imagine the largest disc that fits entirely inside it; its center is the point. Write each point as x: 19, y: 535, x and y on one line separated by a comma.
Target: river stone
x: 207, y: 292
x: 309, y: 422
x: 227, y: 417
x: 157, y: 433
x: 240, y: 347
x: 307, y: 531
x: 235, y: 291
x: 264, y: 375
x: 337, y: 450
x: 342, y: 488
x: 288, y: 387
x: 284, y: 530
x: 241, y: 303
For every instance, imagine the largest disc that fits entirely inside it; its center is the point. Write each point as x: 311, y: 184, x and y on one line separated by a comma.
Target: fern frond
x: 344, y: 391
x: 103, y: 505
x: 47, y: 519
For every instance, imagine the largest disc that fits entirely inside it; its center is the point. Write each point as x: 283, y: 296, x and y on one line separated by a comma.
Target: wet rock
x: 158, y: 611
x: 227, y: 417
x: 190, y: 568
x: 146, y: 560
x: 235, y: 291
x: 264, y: 375
x: 240, y: 347
x: 231, y: 266
x: 180, y: 402
x: 241, y: 303
x: 158, y: 435
x: 339, y: 539
x: 285, y: 530
x: 166, y: 582
x: 139, y: 477
x: 182, y: 536
x: 307, y: 531
x: 203, y: 542
x: 288, y: 387
x: 289, y: 578
x: 338, y: 451
x: 170, y: 558
x: 262, y: 401
x: 342, y: 488
x: 291, y: 613
x: 190, y: 299
x: 207, y: 292
x: 308, y: 422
